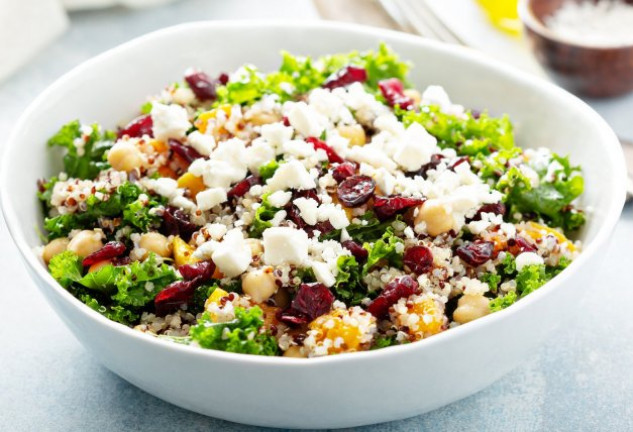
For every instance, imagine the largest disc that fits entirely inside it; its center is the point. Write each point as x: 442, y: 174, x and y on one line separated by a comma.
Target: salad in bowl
x: 324, y: 208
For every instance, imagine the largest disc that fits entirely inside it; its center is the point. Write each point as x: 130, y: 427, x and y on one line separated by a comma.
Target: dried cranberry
x: 202, y: 85
x: 187, y: 153
x: 343, y: 171
x: 395, y: 290
x: 519, y: 245
x: 419, y: 259
x: 387, y: 207
x: 311, y: 301
x: 358, y: 251
x: 121, y: 261
x: 138, y: 127
x: 223, y: 78
x: 175, y: 295
x: 393, y: 91
x: 356, y: 190
x: 202, y: 269
x: 293, y: 215
x: 498, y: 209
x: 306, y: 193
x: 476, y: 253
x: 431, y: 165
x: 240, y: 189
x: 322, y: 227
x: 332, y: 156
x: 285, y: 121
x: 458, y: 162
x: 177, y: 222
x: 345, y: 76
x: 110, y: 250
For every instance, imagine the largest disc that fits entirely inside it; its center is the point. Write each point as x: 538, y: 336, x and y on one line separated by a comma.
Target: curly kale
x: 242, y: 335
x: 298, y: 75
x: 87, y: 160
x: 119, y: 291
x: 388, y: 249
x: 125, y: 203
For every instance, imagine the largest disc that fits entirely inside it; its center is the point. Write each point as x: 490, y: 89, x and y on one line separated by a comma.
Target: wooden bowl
x: 581, y: 68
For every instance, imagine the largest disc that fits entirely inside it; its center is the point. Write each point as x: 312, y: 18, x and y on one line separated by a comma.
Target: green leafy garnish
x: 528, y: 279
x: 268, y: 170
x: 242, y: 335
x: 138, y: 283
x: 370, y: 229
x: 500, y: 303
x: 88, y: 160
x: 124, y: 202
x: 388, y: 249
x: 470, y: 136
x: 492, y: 279
x: 349, y: 286
x: 146, y: 108
x: 383, y: 342
x: 263, y: 215
x: 131, y: 286
x: 114, y: 312
x: 103, y: 280
x: 298, y: 75
x: 66, y: 268
x: 549, y: 200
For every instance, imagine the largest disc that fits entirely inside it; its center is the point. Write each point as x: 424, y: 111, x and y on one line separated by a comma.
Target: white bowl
x: 344, y: 390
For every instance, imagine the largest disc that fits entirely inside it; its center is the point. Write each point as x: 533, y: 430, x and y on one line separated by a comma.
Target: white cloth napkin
x: 27, y: 26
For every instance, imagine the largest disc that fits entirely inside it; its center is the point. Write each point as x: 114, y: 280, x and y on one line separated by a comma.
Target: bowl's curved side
x: 344, y: 390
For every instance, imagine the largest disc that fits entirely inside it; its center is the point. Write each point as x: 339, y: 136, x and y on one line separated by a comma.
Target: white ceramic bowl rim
x: 610, y: 145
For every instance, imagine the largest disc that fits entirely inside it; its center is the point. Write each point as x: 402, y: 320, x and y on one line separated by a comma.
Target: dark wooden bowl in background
x: 583, y: 69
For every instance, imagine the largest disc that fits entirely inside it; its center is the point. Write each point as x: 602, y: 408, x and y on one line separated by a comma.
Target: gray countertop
x: 579, y: 379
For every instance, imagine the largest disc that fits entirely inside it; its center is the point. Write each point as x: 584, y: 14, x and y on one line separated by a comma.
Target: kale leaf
x: 263, y: 215
x: 349, y: 286
x: 388, y: 249
x: 242, y: 335
x: 298, y: 75
x: 87, y: 160
x: 66, y: 268
x: 471, y: 136
x: 124, y: 202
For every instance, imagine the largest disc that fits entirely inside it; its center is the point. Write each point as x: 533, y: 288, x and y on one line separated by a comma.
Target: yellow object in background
x: 503, y: 14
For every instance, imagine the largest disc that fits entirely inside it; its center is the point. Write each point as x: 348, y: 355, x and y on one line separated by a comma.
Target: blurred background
x: 569, y: 384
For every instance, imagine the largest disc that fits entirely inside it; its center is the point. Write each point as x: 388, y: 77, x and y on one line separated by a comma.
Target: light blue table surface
x: 580, y: 379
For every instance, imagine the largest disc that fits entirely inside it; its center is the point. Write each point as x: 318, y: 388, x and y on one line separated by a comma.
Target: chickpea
x: 414, y: 95
x: 438, y: 219
x: 157, y: 243
x: 55, y: 247
x: 294, y: 351
x: 262, y: 118
x: 354, y: 133
x: 259, y: 284
x: 125, y: 156
x: 471, y: 307
x: 256, y: 246
x: 85, y: 242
